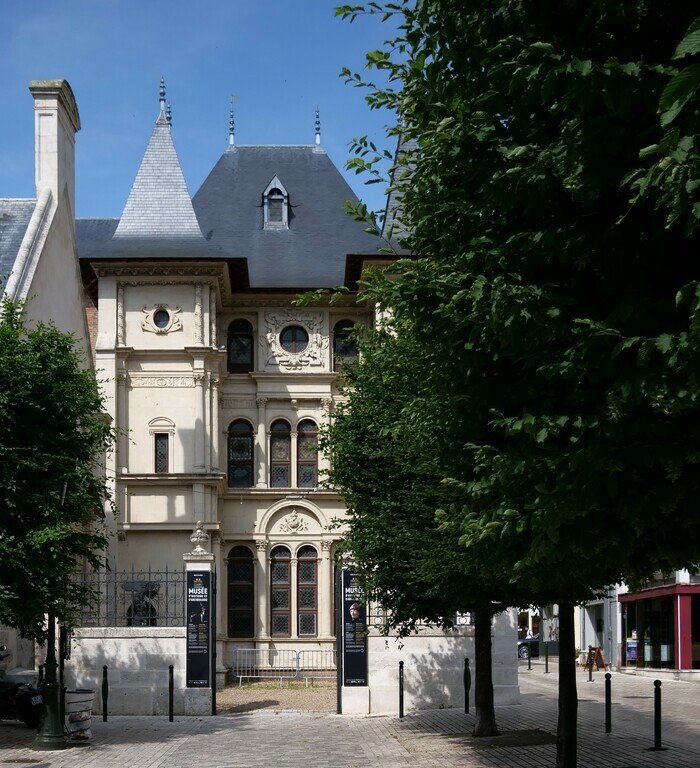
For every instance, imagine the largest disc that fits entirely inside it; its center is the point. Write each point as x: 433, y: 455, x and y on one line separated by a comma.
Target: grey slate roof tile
x: 313, y: 251
x: 159, y: 204
x: 158, y: 217
x: 14, y: 219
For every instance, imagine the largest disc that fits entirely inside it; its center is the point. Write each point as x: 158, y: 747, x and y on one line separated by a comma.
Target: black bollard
x: 171, y: 690
x: 467, y: 685
x: 529, y: 655
x: 546, y: 658
x: 105, y: 693
x: 657, y: 718
x: 590, y: 663
x: 608, y: 709
x: 401, y: 689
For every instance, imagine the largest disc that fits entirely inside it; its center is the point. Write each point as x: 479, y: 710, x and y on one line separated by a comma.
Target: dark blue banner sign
x: 354, y: 632
x: 198, y: 629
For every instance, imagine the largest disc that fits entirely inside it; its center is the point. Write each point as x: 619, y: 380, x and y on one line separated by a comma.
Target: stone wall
x: 137, y: 660
x: 434, y: 670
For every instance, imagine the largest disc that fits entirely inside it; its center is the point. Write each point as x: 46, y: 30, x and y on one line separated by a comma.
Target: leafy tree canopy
x: 392, y: 444
x: 568, y: 314
x: 53, y: 437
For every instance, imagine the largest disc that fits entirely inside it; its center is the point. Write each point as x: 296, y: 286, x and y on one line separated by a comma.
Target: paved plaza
x: 287, y: 739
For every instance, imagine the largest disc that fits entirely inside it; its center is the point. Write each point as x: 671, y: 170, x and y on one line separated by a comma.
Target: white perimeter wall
x: 137, y: 660
x: 434, y: 670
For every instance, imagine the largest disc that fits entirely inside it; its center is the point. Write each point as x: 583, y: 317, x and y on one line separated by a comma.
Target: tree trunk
x: 568, y: 701
x: 485, y: 724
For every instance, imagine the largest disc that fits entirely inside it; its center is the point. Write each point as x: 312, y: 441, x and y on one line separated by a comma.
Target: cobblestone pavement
x: 291, y: 739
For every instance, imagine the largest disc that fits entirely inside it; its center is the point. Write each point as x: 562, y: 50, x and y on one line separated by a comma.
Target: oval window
x: 294, y: 339
x: 161, y: 318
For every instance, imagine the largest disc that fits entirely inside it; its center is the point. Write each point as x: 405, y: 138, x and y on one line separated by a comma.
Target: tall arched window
x: 280, y: 592
x: 280, y: 454
x: 307, y: 591
x: 240, y: 455
x: 241, y: 577
x: 240, y: 347
x: 344, y: 348
x: 307, y: 454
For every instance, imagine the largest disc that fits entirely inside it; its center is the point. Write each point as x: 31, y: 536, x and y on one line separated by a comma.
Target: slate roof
x: 312, y: 251
x: 224, y: 220
x: 158, y: 219
x: 14, y: 219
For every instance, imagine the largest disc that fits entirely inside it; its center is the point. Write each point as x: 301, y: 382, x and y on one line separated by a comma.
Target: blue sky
x: 280, y: 58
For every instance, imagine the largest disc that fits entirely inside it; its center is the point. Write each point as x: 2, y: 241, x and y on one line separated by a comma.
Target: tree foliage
x: 53, y: 437
x: 567, y: 315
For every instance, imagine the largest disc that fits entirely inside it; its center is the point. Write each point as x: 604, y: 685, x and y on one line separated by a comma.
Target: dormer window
x: 276, y: 206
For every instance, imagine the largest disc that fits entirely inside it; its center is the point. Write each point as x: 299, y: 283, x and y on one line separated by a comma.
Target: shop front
x: 661, y: 628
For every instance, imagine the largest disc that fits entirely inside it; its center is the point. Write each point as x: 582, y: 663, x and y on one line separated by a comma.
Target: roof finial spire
x: 318, y: 128
x: 231, y: 134
x: 169, y: 116
x: 162, y: 94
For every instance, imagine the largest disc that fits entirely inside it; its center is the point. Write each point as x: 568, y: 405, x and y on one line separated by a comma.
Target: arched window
x: 307, y: 591
x: 240, y: 454
x: 240, y: 347
x: 280, y: 454
x: 241, y: 577
x: 307, y: 454
x: 344, y: 348
x: 280, y: 592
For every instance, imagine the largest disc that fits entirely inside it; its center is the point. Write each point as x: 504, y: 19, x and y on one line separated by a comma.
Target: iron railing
x: 134, y: 598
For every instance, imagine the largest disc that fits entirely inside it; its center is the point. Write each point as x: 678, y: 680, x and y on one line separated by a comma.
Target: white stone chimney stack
x: 56, y: 121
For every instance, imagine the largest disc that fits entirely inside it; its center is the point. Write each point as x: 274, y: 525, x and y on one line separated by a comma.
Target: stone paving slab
x: 420, y: 740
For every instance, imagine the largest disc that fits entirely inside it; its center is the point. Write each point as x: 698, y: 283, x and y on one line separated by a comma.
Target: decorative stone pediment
x: 276, y: 357
x: 294, y: 523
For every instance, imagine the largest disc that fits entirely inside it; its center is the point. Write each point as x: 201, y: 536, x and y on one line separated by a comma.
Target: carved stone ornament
x: 294, y: 523
x: 314, y: 355
x: 161, y: 319
x: 199, y: 537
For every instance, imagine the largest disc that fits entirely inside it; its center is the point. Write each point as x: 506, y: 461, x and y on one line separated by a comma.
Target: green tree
x: 53, y: 437
x: 569, y: 315
x: 392, y: 444
x: 673, y: 179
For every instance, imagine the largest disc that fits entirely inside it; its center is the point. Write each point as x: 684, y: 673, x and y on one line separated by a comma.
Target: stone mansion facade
x: 218, y: 384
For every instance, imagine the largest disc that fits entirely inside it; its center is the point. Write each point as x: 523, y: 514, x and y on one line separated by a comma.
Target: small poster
x: 198, y: 629
x: 354, y: 632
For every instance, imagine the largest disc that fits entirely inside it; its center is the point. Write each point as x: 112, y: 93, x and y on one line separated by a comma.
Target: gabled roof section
x: 313, y: 250
x: 159, y: 205
x: 15, y: 215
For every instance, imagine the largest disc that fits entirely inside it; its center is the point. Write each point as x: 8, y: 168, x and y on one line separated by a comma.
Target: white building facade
x: 218, y: 384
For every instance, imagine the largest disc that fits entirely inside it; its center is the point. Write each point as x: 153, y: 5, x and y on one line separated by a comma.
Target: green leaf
x: 690, y: 44
x: 678, y: 92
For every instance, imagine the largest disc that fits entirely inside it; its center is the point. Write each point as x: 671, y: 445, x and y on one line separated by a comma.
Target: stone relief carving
x: 161, y: 381
x: 161, y: 319
x: 277, y: 357
x: 294, y: 523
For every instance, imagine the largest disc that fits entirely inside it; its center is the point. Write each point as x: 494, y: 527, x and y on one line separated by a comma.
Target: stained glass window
x: 344, y: 347
x: 240, y: 347
x: 280, y: 592
x: 280, y: 455
x: 240, y: 455
x: 307, y: 569
x: 241, y: 575
x: 161, y: 451
x: 307, y: 454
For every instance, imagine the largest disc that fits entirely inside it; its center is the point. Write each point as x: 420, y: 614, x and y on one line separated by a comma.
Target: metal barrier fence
x: 273, y: 664
x: 134, y: 599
